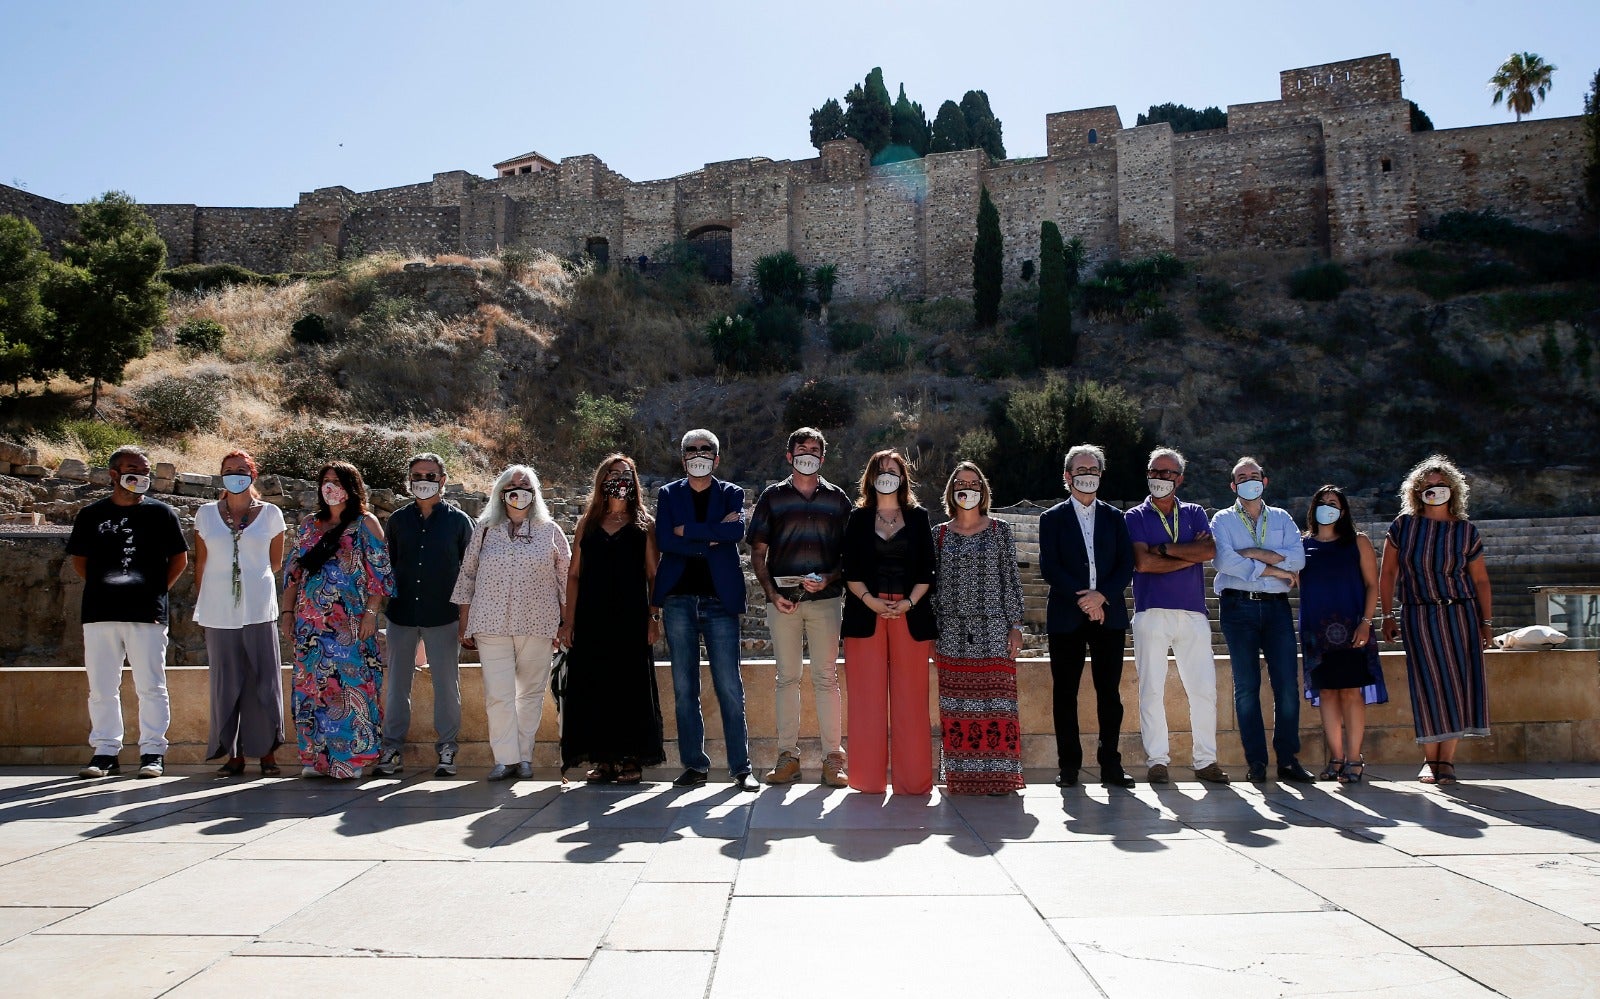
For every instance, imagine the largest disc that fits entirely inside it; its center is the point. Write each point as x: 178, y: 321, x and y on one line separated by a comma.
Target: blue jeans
x: 686, y: 620
x: 1253, y: 628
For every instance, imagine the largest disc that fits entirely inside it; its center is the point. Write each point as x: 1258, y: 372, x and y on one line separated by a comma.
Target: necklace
x: 235, y: 530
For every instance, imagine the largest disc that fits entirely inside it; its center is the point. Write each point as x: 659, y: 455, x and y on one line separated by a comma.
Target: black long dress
x: 613, y: 708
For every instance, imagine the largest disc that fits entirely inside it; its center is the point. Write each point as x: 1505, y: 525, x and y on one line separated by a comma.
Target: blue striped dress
x: 1439, y: 624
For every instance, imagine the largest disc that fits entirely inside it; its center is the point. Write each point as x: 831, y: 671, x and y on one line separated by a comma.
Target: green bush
x: 600, y: 425
x: 767, y: 340
x: 1214, y: 305
x: 99, y: 439
x: 941, y: 314
x: 780, y: 330
x: 174, y: 405
x: 1516, y: 310
x: 1542, y: 256
x: 1034, y: 427
x: 201, y: 335
x: 1319, y: 282
x: 847, y: 334
x: 820, y: 403
x: 311, y: 330
x: 1163, y: 324
x: 299, y: 452
x: 885, y: 353
x: 193, y: 278
x: 977, y: 446
x: 780, y: 279
x: 1154, y: 273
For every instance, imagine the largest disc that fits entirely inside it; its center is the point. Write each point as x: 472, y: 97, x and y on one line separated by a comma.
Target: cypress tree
x: 1058, y: 342
x: 827, y: 123
x: 867, y: 120
x: 988, y: 263
x: 983, y: 128
x: 949, y: 131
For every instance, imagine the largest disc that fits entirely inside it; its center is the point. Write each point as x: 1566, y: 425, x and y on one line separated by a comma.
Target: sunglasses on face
x: 425, y: 477
x: 699, y: 449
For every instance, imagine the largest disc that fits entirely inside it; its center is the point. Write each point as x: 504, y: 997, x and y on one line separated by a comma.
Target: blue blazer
x: 1064, y: 563
x: 675, y: 506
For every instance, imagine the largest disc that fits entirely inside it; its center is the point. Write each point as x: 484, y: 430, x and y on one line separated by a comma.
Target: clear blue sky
x: 250, y: 103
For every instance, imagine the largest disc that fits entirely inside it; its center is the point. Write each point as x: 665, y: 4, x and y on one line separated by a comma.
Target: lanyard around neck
x: 1172, y: 528
x: 1258, y: 536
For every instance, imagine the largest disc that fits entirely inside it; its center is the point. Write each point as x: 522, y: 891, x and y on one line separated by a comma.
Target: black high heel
x: 1333, y: 771
x: 1355, y: 770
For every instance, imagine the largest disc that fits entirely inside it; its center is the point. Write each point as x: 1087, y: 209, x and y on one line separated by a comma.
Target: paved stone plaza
x: 189, y: 886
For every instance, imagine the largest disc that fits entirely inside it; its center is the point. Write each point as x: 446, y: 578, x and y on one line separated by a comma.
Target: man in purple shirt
x: 1171, y: 543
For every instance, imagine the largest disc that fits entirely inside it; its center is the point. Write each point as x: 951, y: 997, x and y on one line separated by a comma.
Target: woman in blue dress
x: 1338, y: 597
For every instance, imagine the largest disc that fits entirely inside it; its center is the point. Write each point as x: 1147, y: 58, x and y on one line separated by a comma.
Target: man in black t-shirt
x: 129, y: 550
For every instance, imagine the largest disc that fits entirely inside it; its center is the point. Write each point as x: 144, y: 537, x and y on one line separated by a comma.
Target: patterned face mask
x: 617, y: 488
x: 806, y: 464
x: 519, y: 499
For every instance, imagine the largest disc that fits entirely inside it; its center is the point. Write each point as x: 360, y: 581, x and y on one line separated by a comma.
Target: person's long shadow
x: 1526, y: 809
x: 599, y: 823
x: 1129, y: 822
x: 145, y: 800
x: 1369, y: 808
x: 1222, y: 809
x: 860, y: 827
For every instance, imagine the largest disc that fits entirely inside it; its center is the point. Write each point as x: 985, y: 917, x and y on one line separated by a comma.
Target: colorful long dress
x: 978, y: 598
x: 1333, y: 600
x: 1439, y: 624
x: 338, y: 677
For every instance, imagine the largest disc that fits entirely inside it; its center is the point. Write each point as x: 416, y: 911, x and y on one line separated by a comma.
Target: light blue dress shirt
x: 1276, y: 531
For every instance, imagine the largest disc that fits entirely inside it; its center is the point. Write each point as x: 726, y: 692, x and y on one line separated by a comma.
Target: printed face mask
x: 1328, y: 514
x: 699, y: 466
x: 333, y: 494
x: 967, y: 499
x: 1436, y: 495
x: 1160, y: 488
x: 1251, y: 489
x: 1089, y: 483
x: 236, y: 483
x: 886, y: 482
x: 806, y: 464
x: 618, y: 488
x: 422, y: 489
x: 519, y: 499
x: 136, y: 483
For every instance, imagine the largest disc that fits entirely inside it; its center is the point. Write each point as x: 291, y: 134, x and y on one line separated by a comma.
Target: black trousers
x: 1104, y: 647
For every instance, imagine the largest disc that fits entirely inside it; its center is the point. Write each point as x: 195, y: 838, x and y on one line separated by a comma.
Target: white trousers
x: 814, y: 623
x: 1188, y: 635
x: 516, y: 671
x: 144, y: 645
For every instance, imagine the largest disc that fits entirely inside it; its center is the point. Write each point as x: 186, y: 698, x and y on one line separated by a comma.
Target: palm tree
x: 1522, y: 82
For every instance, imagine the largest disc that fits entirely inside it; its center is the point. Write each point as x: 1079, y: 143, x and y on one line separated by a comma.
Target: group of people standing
x: 872, y: 569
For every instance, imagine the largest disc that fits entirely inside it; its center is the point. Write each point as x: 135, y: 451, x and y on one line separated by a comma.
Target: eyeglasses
x: 425, y: 477
x: 1090, y: 470
x: 967, y: 485
x: 1163, y: 473
x: 699, y: 449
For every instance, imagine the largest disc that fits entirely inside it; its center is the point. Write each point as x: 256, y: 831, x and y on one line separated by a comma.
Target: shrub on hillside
x: 311, y: 330
x: 97, y: 438
x: 941, y: 314
x: 599, y: 427
x: 886, y: 352
x: 766, y: 341
x: 299, y: 452
x: 845, y: 335
x: 1163, y: 324
x: 1214, y: 305
x: 1319, y: 282
x: 1034, y: 427
x: 191, y: 278
x: 173, y: 405
x: 820, y: 403
x: 780, y: 280
x: 201, y: 335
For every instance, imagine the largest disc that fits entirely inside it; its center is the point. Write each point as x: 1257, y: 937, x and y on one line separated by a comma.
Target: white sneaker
x: 390, y: 764
x: 447, y: 764
x: 524, y: 770
x: 501, y: 771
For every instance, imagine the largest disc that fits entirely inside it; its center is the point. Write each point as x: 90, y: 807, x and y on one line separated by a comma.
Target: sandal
x: 1446, y: 772
x: 1430, y: 772
x: 629, y: 772
x: 601, y: 773
x: 232, y: 768
x: 1356, y: 770
x: 1333, y: 771
x: 269, y: 767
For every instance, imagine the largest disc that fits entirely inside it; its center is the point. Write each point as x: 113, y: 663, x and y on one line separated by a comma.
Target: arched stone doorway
x: 713, y: 244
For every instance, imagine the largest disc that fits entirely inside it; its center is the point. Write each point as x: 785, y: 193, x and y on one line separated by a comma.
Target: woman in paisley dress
x: 979, y: 606
x: 1435, y: 580
x: 334, y: 580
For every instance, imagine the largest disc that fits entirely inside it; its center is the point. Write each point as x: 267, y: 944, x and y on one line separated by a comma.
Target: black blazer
x: 859, y: 558
x: 1064, y: 563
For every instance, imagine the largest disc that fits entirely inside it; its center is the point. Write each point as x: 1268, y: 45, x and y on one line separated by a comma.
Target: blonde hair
x: 950, y: 488
x: 1411, y: 488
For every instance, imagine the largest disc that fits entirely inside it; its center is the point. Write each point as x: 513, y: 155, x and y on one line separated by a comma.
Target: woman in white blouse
x: 512, y: 590
x: 238, y: 541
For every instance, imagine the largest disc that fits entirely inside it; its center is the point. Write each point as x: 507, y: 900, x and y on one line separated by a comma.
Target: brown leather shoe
x: 1158, y: 773
x: 1212, y: 774
x: 786, y: 770
x: 833, y: 771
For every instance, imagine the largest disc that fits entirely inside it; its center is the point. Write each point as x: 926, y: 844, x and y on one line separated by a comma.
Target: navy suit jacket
x: 674, y: 507
x: 1064, y: 563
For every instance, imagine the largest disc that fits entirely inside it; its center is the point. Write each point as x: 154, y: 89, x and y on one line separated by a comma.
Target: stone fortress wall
x: 1331, y: 167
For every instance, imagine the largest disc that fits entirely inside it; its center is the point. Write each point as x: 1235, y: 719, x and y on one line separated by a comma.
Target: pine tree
x: 1058, y: 342
x: 949, y: 131
x: 988, y: 263
x: 827, y: 123
x: 23, y: 264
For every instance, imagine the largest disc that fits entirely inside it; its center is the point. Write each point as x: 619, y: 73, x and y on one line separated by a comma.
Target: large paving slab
x: 869, y: 862
x: 366, y: 978
x: 90, y: 873
x: 1555, y: 971
x: 621, y: 974
x: 107, y: 967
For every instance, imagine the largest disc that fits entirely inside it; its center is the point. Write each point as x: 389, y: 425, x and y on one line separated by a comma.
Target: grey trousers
x: 444, y: 665
x: 246, y: 691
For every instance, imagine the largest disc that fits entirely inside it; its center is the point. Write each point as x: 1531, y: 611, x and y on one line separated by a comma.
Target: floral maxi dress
x: 338, y: 677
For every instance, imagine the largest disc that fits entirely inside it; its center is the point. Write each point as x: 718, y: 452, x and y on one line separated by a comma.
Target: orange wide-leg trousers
x: 886, y: 680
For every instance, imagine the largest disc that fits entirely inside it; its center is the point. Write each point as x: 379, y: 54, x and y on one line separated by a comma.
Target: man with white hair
x: 1171, y: 544
x: 699, y: 593
x: 1259, y: 558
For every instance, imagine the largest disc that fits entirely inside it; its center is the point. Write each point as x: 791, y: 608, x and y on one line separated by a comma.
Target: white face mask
x: 1089, y: 483
x: 968, y: 499
x: 699, y: 466
x: 1327, y: 513
x: 333, y: 494
x: 1160, y: 488
x: 1250, y: 489
x: 806, y: 464
x: 886, y: 482
x: 1436, y: 495
x: 519, y: 499
x: 424, y: 490
x: 236, y: 482
x: 139, y: 484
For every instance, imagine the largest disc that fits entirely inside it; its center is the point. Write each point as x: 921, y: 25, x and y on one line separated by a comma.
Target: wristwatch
x: 1161, y: 549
